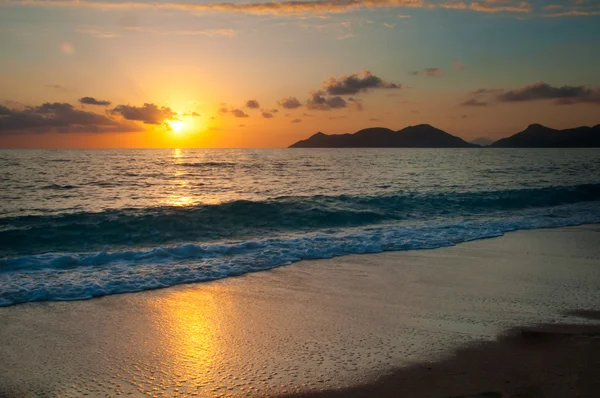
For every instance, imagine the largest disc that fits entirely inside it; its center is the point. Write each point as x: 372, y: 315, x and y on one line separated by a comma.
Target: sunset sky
x: 266, y: 74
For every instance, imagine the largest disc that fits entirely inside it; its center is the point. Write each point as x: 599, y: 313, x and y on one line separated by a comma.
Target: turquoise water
x: 76, y: 224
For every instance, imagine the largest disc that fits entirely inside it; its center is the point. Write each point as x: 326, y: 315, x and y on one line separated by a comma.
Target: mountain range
x: 427, y: 136
x: 538, y: 136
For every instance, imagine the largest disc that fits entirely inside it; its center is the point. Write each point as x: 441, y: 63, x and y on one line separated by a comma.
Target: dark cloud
x: 238, y: 113
x: 473, y: 102
x: 223, y: 110
x: 4, y: 110
x: 318, y: 101
x: 148, y: 113
x: 541, y: 91
x: 486, y: 91
x: 192, y: 114
x: 354, y: 84
x: 289, y: 103
x: 252, y: 104
x: 267, y: 115
x: 355, y: 104
x: 296, y: 121
x: 56, y: 117
x: 429, y: 72
x: 57, y: 87
x: 93, y: 101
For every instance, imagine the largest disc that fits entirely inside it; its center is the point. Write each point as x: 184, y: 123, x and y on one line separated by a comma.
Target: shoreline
x: 89, y: 257
x: 310, y: 326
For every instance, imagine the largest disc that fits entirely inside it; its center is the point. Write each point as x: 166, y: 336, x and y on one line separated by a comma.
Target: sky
x: 254, y: 73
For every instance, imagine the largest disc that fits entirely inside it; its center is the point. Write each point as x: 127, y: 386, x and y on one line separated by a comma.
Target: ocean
x: 76, y: 224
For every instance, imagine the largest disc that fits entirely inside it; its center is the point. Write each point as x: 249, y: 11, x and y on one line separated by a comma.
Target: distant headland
x: 427, y: 136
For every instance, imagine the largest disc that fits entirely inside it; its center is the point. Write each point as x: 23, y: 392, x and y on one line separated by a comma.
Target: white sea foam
x: 70, y: 276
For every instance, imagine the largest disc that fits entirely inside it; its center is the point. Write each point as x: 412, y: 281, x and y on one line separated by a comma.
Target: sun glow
x: 177, y: 125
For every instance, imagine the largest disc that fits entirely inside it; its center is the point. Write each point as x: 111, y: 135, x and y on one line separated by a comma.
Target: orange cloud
x: 289, y: 7
x: 573, y: 13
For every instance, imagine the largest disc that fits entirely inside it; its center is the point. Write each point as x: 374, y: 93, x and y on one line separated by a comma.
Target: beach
x: 443, y: 322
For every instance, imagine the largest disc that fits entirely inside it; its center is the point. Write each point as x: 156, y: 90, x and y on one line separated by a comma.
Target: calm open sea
x: 76, y: 224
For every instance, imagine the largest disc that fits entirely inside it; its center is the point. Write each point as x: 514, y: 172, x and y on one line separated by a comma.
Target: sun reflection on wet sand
x: 188, y: 327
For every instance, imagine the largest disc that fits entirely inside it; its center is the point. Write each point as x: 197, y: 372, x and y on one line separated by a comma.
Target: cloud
x: 355, y: 104
x: 104, y: 33
x: 346, y: 36
x: 198, y: 32
x: 252, y: 104
x: 486, y: 91
x: 57, y: 87
x: 289, y: 103
x: 403, y: 16
x: 573, y: 13
x: 191, y: 114
x: 296, y: 121
x: 93, y: 101
x: 148, y: 113
x: 57, y: 117
x: 473, y: 102
x: 318, y: 101
x: 429, y: 72
x: 543, y: 91
x: 289, y: 7
x: 452, y: 6
x: 285, y: 8
x: 521, y: 7
x: 223, y: 110
x: 354, y: 84
x: 98, y: 32
x: 460, y: 66
x: 389, y: 25
x: 238, y: 113
x: 4, y: 111
x: 267, y: 115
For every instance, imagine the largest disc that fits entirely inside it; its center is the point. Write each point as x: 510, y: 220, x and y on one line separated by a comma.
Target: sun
x: 177, y: 125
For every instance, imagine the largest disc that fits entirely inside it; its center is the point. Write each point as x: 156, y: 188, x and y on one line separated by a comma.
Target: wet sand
x: 432, y: 323
x: 544, y: 361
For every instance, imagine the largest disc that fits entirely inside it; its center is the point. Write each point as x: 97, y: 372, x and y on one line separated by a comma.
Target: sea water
x: 76, y: 224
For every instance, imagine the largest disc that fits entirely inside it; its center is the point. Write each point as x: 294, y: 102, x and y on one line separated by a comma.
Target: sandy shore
x: 415, y: 324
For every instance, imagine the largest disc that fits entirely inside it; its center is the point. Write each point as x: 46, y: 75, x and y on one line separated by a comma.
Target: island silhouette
x: 427, y: 136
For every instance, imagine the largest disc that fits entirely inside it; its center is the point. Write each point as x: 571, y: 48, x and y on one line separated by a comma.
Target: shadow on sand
x: 551, y: 360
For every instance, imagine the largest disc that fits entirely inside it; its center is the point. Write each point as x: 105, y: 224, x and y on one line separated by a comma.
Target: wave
x: 71, y: 276
x: 242, y: 219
